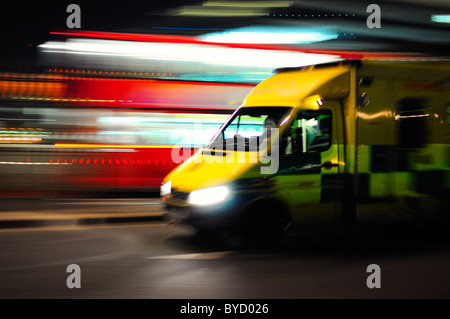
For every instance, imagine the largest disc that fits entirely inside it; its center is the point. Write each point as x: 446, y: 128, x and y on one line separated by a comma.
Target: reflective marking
x: 210, y: 255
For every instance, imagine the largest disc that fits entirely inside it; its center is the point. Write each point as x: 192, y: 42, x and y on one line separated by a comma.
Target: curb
x: 5, y: 224
x: 72, y: 211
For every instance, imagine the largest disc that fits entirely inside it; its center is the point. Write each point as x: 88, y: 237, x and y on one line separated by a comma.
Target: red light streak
x: 118, y: 146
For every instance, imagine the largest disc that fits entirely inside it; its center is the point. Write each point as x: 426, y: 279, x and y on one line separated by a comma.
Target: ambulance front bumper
x: 220, y: 216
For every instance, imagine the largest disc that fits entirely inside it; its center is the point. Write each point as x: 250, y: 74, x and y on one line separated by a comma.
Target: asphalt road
x: 155, y: 260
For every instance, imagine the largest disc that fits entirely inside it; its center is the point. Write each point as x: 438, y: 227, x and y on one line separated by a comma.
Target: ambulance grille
x: 177, y: 195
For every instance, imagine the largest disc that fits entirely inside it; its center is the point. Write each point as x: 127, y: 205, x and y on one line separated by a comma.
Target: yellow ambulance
x: 355, y: 140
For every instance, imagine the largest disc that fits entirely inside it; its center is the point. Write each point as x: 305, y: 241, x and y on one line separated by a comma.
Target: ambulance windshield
x: 248, y: 128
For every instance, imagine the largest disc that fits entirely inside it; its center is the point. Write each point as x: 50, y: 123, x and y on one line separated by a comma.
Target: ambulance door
x: 309, y: 169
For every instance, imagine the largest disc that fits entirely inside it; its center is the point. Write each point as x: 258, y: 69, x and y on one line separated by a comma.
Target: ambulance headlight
x: 166, y: 188
x: 209, y: 196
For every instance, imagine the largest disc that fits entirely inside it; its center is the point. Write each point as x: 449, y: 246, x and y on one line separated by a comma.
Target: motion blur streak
x: 248, y: 4
x: 107, y: 108
x: 113, y: 146
x: 101, y: 130
x: 96, y: 90
x: 194, y: 40
x: 181, y: 57
x: 281, y: 35
x: 230, y: 9
x: 441, y: 18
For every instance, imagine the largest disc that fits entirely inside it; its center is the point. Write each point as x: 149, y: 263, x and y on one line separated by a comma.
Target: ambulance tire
x: 263, y: 225
x: 208, y: 237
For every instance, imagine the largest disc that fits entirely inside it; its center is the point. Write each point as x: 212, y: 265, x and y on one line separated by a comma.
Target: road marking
x: 196, y: 256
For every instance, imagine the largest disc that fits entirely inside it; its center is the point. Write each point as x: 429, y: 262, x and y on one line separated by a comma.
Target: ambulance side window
x: 309, y: 132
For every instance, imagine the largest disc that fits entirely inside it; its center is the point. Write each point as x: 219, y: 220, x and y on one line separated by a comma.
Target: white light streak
x: 181, y: 52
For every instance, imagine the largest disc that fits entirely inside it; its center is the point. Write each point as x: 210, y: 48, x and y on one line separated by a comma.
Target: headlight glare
x: 166, y: 188
x: 209, y: 196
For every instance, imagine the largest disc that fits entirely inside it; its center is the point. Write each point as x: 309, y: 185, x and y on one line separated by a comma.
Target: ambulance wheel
x: 264, y: 225
x: 207, y: 236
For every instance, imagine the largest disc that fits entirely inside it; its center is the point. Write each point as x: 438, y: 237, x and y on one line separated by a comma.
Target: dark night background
x: 27, y: 24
